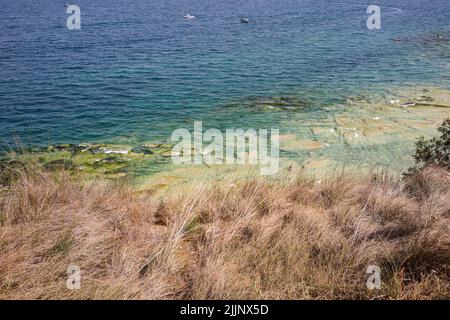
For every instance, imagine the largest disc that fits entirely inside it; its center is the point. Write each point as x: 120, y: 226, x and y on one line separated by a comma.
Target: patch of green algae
x: 111, y: 161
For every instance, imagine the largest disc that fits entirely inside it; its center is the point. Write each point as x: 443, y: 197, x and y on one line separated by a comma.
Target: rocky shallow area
x: 367, y: 133
x: 361, y: 134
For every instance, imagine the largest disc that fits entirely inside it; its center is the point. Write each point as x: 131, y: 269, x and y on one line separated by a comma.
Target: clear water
x: 137, y: 69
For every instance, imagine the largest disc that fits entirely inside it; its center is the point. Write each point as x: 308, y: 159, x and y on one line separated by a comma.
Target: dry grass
x: 251, y: 241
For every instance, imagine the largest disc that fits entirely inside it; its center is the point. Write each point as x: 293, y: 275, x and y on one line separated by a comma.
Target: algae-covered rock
x: 111, y: 160
x: 284, y: 103
x: 74, y: 148
x: 143, y: 149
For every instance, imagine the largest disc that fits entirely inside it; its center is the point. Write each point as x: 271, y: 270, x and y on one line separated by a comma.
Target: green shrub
x: 435, y: 151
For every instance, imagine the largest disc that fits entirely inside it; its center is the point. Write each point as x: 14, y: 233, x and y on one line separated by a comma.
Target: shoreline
x: 360, y: 135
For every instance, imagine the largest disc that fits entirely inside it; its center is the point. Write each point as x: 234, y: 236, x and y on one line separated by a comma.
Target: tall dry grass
x: 255, y: 240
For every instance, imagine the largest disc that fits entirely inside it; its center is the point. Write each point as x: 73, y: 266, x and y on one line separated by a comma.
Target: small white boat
x: 189, y: 17
x: 244, y: 20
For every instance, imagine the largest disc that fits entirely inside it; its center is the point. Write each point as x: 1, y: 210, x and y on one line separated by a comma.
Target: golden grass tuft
x: 256, y: 240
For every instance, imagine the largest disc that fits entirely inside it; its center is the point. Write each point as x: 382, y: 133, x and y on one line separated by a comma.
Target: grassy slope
x: 250, y: 241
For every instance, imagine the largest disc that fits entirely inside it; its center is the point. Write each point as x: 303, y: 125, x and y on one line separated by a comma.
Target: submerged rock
x: 166, y: 154
x: 152, y: 145
x: 142, y: 149
x: 113, y: 160
x: 425, y: 99
x: 409, y: 104
x: 286, y: 103
x: 292, y: 143
x: 74, y: 148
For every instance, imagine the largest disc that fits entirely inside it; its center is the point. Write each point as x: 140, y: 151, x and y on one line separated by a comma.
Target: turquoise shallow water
x: 137, y: 70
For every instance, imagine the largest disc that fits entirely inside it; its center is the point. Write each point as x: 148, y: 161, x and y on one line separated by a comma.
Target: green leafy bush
x: 435, y: 151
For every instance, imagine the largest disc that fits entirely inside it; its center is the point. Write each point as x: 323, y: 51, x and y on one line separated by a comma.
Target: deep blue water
x: 137, y: 69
